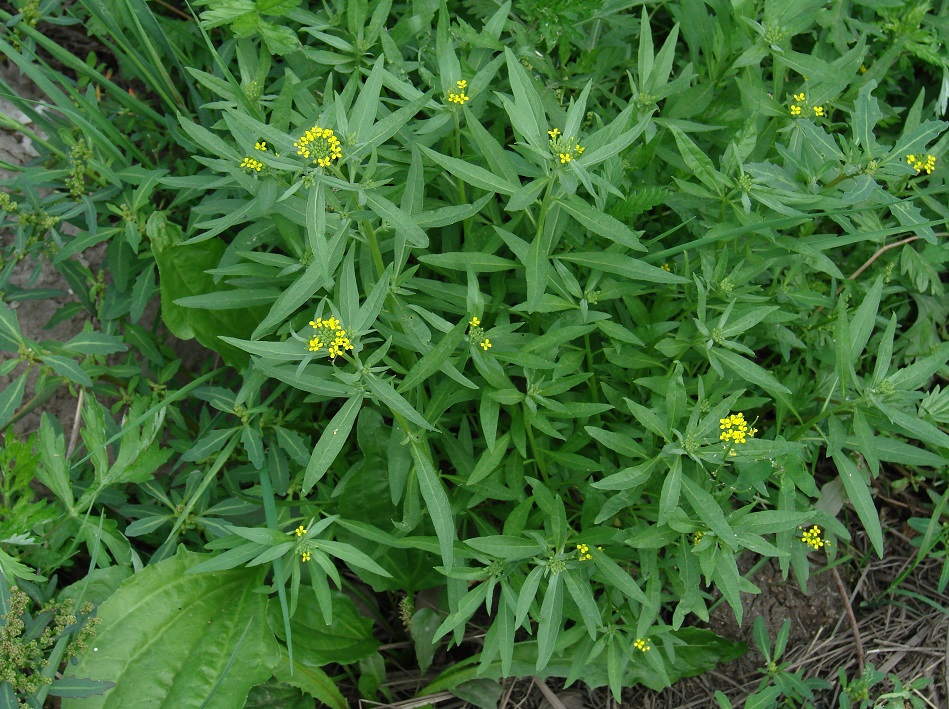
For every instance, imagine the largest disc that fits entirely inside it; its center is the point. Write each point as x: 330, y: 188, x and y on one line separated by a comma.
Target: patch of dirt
x: 34, y: 315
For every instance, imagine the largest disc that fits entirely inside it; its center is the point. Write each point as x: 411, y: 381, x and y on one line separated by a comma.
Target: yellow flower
x: 300, y: 531
x: 320, y: 145
x: 474, y: 322
x: 922, y: 162
x: 486, y: 344
x: 251, y: 164
x: 553, y: 133
x: 697, y: 537
x: 642, y: 644
x: 261, y: 145
x: 459, y: 97
x: 565, y: 158
x: 812, y: 537
x: 799, y: 97
x: 330, y: 334
x: 666, y: 267
x: 735, y: 429
x: 818, y: 110
x: 583, y: 552
x: 305, y: 556
x: 795, y: 110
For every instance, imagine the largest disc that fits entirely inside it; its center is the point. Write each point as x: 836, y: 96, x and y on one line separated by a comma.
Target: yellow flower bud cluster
x: 921, y: 163
x: 812, y: 537
x: 459, y: 97
x: 735, y: 429
x: 319, y: 144
x: 330, y: 334
x: 565, y: 149
x: 800, y: 108
x: 476, y: 334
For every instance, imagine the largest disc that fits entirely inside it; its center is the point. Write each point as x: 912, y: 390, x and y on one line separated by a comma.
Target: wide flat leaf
x: 346, y: 640
x: 182, y: 274
x: 172, y: 639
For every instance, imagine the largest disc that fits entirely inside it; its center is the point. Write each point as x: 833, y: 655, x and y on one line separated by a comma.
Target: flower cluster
x: 459, y: 97
x: 800, y: 107
x: 330, y: 334
x: 319, y: 144
x: 922, y: 162
x: 812, y: 538
x: 251, y: 164
x: 697, y: 537
x: 476, y: 334
x: 583, y: 552
x: 642, y: 644
x: 735, y: 429
x: 566, y: 149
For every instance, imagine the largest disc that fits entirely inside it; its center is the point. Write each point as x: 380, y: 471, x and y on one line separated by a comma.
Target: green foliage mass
x: 530, y: 317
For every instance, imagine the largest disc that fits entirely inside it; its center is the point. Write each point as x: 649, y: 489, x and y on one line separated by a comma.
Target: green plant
x: 779, y: 686
x: 857, y: 692
x: 34, y: 646
x: 548, y: 341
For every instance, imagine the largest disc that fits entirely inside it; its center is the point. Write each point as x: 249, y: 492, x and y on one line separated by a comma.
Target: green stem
x: 802, y: 429
x: 840, y: 178
x: 538, y: 457
x: 374, y: 248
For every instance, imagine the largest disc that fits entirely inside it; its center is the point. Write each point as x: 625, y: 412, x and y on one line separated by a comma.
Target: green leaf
x: 744, y: 368
x: 10, y: 336
x: 312, y: 680
x: 163, y: 622
x: 67, y: 368
x: 299, y: 292
x: 463, y: 260
x: 866, y: 114
x: 863, y: 320
x: 346, y: 640
x: 550, y: 622
x: 436, y: 500
x: 76, y: 687
x: 708, y: 510
x: 698, y: 162
x: 10, y: 399
x: 622, y: 265
x: 472, y: 174
x: 617, y: 577
x: 435, y: 358
x: 600, y: 223
x: 507, y: 547
x: 91, y: 342
x: 352, y: 556
x: 527, y: 114
x: 384, y: 391
x: 489, y: 460
x: 331, y: 442
x: 857, y: 485
x: 53, y: 470
x: 182, y: 273
x: 401, y: 221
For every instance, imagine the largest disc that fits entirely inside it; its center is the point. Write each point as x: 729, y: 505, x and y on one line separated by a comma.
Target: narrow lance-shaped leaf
x: 331, y: 442
x: 436, y: 500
